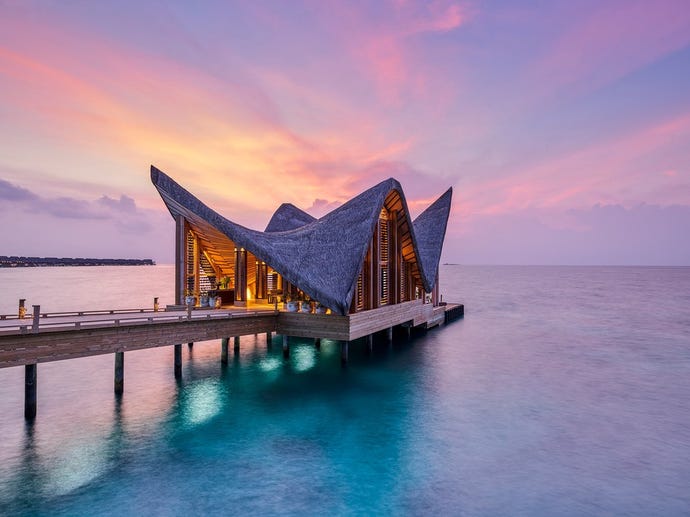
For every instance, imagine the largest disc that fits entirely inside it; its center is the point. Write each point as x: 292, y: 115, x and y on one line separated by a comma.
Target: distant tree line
x: 65, y: 261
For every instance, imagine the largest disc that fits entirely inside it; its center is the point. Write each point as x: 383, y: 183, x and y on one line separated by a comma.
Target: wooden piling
x: 269, y: 338
x: 178, y: 361
x: 317, y: 343
x: 30, y: 390
x: 237, y: 344
x: 119, y: 372
x: 37, y: 317
x: 286, y: 347
x: 224, y: 350
x: 370, y: 343
x: 389, y: 335
x: 344, y: 345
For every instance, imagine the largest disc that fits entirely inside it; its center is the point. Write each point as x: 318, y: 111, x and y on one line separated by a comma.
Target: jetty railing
x: 28, y: 326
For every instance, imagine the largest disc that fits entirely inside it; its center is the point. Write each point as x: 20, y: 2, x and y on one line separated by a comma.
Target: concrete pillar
x: 370, y: 343
x: 344, y: 345
x: 317, y: 343
x: 178, y: 361
x: 30, y: 390
x: 237, y: 344
x: 224, y: 350
x: 119, y: 372
x: 286, y: 347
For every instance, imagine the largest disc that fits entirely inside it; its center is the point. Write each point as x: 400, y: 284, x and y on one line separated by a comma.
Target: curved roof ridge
x: 288, y: 217
x: 430, y: 229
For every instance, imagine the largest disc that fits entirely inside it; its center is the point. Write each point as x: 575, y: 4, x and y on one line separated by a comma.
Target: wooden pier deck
x: 42, y: 337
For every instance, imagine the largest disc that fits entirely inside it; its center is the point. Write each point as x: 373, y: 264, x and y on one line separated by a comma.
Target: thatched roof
x: 323, y: 257
x: 288, y: 217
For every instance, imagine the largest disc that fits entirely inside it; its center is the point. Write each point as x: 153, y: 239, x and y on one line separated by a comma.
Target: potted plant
x: 306, y: 304
x: 212, y: 295
x: 291, y: 305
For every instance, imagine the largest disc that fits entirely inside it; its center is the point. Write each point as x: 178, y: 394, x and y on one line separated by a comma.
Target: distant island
x: 64, y: 261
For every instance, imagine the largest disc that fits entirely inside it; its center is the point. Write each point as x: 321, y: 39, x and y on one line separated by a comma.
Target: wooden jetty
x: 44, y: 337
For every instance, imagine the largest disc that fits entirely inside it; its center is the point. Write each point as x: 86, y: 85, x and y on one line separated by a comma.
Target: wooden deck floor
x: 59, y: 336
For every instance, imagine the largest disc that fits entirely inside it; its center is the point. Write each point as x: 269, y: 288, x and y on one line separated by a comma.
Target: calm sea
x: 563, y: 391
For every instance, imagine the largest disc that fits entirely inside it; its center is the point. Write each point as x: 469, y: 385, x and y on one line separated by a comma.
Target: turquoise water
x: 564, y: 391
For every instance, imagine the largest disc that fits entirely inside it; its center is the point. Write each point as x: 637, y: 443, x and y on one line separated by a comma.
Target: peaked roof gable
x: 288, y: 217
x: 430, y: 229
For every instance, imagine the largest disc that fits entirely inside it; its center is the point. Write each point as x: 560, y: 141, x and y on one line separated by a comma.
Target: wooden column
x: 434, y: 292
x: 344, y: 345
x: 197, y: 256
x: 286, y: 347
x: 119, y: 372
x: 178, y: 361
x: 394, y: 260
x: 240, y: 276
x: 261, y: 280
x: 180, y: 271
x: 224, y: 350
x: 30, y: 390
x: 375, y: 271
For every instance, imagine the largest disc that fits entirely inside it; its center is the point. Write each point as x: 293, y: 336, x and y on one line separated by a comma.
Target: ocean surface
x: 563, y: 391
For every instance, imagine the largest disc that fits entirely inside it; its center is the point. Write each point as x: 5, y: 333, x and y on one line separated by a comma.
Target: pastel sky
x: 563, y: 127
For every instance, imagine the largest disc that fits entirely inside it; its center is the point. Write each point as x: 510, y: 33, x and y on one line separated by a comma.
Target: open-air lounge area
x: 367, y: 258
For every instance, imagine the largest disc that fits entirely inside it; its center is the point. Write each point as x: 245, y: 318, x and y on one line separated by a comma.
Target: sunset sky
x: 563, y: 127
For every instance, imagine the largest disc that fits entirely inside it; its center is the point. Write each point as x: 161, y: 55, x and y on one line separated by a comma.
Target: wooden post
x: 224, y: 350
x: 37, y: 316
x: 30, y: 390
x: 22, y: 308
x: 286, y: 347
x: 237, y: 344
x: 370, y: 343
x: 178, y: 361
x: 240, y: 277
x: 119, y: 372
x: 344, y: 345
x: 317, y: 343
x: 180, y: 271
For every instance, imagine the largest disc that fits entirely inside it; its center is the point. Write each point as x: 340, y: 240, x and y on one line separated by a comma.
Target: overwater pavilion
x: 365, y: 258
